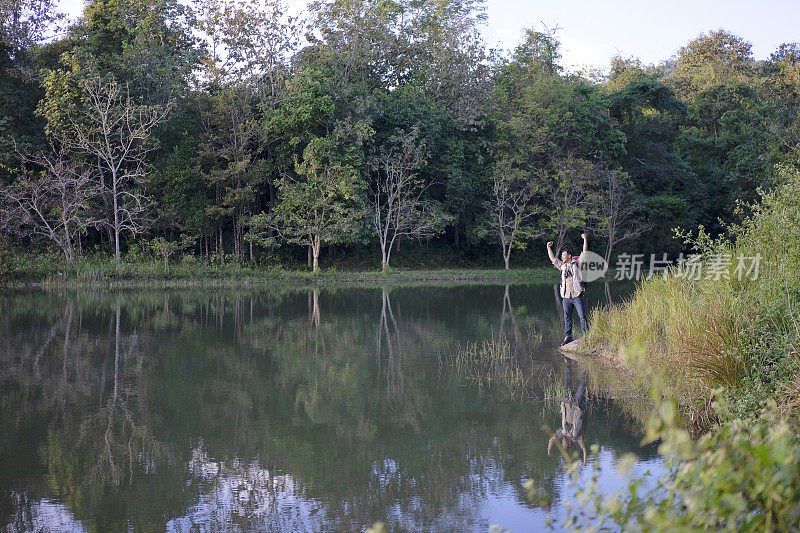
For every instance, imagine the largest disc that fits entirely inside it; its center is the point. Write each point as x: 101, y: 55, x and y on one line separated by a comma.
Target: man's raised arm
x: 585, y: 242
x: 550, y: 252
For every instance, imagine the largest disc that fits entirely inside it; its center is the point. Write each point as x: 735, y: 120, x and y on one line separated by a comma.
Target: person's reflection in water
x: 573, y: 415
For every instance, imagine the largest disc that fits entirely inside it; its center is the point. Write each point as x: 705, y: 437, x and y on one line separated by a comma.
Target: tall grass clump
x: 490, y: 363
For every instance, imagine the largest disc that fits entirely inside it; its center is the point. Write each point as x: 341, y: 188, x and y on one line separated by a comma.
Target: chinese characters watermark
x: 715, y: 267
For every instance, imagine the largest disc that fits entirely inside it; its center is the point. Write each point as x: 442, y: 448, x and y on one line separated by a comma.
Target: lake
x: 281, y: 409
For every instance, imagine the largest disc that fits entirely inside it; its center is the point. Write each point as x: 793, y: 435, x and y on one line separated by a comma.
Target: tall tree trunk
x: 560, y: 243
x: 236, y: 246
x: 506, y: 248
x: 316, y: 253
x: 67, y: 240
x: 250, y: 244
x: 116, y: 217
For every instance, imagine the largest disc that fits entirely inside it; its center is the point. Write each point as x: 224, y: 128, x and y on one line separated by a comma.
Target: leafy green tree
x: 551, y: 130
x: 305, y: 112
x: 782, y: 73
x: 616, y: 210
x: 182, y: 191
x: 530, y: 111
x: 445, y: 56
x: 321, y: 206
x: 229, y: 159
x: 25, y: 23
x: 568, y: 196
x: 651, y: 115
x: 512, y: 214
x: 726, y: 144
x: 167, y: 249
x: 148, y: 45
x: 718, y: 57
x: 245, y: 69
x: 411, y: 65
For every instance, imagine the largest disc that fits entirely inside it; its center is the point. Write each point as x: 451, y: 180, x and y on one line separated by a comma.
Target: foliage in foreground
x: 744, y: 475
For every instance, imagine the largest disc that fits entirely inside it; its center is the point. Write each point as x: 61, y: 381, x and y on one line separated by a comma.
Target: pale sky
x: 593, y: 31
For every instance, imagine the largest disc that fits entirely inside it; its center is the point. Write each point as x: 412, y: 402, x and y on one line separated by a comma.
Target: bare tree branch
x: 512, y: 213
x: 396, y: 194
x: 52, y: 201
x: 613, y: 212
x: 117, y: 132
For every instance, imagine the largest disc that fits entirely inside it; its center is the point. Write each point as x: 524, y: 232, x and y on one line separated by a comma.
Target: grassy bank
x: 23, y: 270
x: 724, y: 353
x: 734, y: 333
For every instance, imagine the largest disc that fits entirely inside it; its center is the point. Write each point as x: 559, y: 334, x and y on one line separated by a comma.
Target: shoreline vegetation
x: 722, y: 356
x: 30, y: 272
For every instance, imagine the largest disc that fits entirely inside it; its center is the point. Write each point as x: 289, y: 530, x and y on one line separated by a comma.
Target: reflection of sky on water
x: 244, y: 497
x: 43, y: 515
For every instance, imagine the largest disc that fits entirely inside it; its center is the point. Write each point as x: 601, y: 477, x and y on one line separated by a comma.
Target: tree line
x: 235, y: 131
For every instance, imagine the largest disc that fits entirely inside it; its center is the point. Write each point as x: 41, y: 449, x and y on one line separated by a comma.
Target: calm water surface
x: 289, y: 410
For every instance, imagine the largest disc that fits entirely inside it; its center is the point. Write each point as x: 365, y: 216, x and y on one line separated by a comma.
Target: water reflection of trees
x: 85, y: 392
x: 517, y: 360
x: 288, y: 401
x: 391, y: 336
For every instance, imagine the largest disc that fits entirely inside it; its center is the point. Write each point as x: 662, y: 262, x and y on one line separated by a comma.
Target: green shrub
x: 744, y: 476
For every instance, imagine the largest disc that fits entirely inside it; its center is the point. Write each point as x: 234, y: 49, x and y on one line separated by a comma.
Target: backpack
x: 575, y: 260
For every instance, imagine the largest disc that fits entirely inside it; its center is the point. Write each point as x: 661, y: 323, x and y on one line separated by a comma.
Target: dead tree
x: 396, y: 194
x: 51, y: 201
x: 116, y: 132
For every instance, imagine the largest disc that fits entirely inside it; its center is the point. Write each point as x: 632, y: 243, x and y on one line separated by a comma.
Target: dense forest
x: 236, y: 133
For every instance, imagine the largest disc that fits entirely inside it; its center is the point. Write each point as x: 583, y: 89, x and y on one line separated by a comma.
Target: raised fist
x: 583, y: 236
x: 549, y: 244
